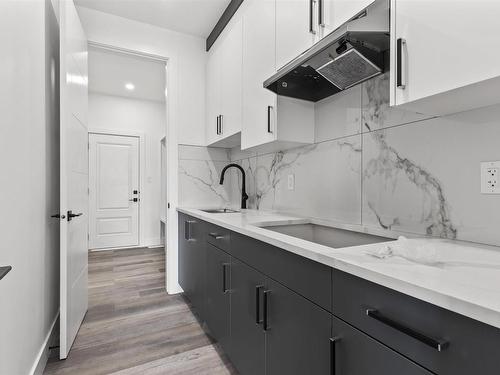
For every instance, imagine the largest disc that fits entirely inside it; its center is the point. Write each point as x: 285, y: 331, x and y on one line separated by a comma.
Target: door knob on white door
x: 71, y: 215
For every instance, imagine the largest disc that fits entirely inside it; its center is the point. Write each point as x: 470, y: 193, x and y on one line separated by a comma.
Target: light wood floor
x: 133, y: 326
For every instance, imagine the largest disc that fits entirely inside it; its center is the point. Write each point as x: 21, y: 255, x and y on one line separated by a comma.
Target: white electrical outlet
x: 291, y: 182
x: 490, y: 177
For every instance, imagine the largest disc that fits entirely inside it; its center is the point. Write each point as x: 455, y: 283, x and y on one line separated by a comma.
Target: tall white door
x: 74, y: 175
x: 114, y: 191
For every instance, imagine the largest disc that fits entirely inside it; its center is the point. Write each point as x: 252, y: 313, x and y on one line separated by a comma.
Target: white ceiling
x: 110, y: 71
x: 195, y: 17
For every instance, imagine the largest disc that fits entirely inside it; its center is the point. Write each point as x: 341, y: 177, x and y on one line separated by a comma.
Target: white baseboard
x: 43, y: 355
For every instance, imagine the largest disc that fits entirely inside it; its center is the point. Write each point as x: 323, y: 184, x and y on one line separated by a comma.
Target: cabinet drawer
x: 355, y: 353
x: 218, y: 236
x: 306, y: 277
x: 438, y: 339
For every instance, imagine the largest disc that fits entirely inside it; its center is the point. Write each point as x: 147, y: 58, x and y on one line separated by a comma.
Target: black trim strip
x: 222, y: 22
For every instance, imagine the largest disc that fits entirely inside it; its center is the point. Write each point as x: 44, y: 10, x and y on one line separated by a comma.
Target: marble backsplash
x: 371, y: 165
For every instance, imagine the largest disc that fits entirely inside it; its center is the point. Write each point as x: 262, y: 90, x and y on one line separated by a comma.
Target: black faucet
x: 244, y: 195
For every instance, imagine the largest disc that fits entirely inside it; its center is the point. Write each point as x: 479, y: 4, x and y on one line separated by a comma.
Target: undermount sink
x: 327, y: 236
x: 220, y: 211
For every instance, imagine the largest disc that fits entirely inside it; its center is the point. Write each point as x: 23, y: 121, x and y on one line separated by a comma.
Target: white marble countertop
x: 458, y: 276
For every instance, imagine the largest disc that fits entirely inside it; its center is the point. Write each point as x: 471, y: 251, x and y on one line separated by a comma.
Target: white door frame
x: 142, y: 170
x: 171, y: 86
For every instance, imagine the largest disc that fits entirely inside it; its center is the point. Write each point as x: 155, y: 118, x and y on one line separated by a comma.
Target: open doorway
x: 127, y: 121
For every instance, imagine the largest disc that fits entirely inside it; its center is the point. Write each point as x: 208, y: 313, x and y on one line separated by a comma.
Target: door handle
x: 258, y: 288
x: 437, y: 344
x: 71, y: 215
x: 321, y: 21
x: 269, y: 109
x: 187, y: 230
x: 265, y: 320
x: 333, y: 341
x: 133, y: 200
x: 224, y: 277
x: 216, y: 236
x: 311, y: 17
x: 400, y: 64
x: 58, y: 216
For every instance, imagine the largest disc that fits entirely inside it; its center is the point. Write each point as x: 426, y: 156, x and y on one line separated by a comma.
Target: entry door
x: 114, y: 191
x: 74, y: 175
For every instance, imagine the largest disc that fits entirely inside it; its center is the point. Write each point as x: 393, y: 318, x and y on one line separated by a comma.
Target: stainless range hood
x: 353, y: 53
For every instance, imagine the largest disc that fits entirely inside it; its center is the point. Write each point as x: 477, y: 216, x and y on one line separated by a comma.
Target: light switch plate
x: 291, y: 182
x: 490, y: 177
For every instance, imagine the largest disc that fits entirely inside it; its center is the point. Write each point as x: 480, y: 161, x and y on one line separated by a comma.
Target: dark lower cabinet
x: 297, y: 332
x: 263, y: 307
x: 355, y: 353
x: 217, y: 289
x: 192, y: 258
x: 248, y: 345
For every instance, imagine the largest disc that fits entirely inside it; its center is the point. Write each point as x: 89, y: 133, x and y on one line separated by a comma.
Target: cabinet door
x: 297, y: 334
x: 192, y: 261
x: 333, y: 13
x: 355, y: 353
x: 217, y: 295
x: 296, y: 28
x: 185, y: 255
x: 231, y: 80
x: 247, y: 336
x: 213, y: 93
x: 448, y: 46
x: 259, y: 63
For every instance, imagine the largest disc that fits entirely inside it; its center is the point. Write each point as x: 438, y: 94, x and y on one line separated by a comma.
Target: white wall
x: 29, y: 157
x: 185, y: 52
x: 107, y: 112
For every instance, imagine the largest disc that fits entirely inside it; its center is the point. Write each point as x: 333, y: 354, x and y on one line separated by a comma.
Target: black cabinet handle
x: 437, y: 344
x: 321, y: 22
x: 333, y: 341
x: 216, y: 236
x: 217, y: 126
x: 269, y: 109
x: 400, y: 81
x: 311, y: 15
x: 265, y: 320
x: 187, y: 229
x: 258, y: 288
x: 224, y: 277
x: 221, y: 124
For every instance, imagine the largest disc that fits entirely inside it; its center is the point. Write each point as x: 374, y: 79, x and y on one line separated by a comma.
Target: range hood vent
x: 353, y: 53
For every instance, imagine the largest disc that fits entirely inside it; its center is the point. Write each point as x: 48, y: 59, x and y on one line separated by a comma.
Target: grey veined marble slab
x: 458, y: 276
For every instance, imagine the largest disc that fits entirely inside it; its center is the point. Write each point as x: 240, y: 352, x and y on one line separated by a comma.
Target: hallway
x: 121, y: 334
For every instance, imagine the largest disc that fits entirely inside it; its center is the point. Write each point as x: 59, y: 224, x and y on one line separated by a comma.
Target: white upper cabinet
x: 213, y: 94
x: 444, y: 55
x: 268, y: 121
x: 259, y: 63
x: 333, y: 13
x: 296, y: 28
x: 224, y: 83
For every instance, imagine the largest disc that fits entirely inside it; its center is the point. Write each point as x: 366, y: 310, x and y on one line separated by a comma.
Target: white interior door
x: 114, y: 191
x: 74, y: 175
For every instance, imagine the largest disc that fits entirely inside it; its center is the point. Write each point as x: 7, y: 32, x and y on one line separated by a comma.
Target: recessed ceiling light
x: 130, y: 86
